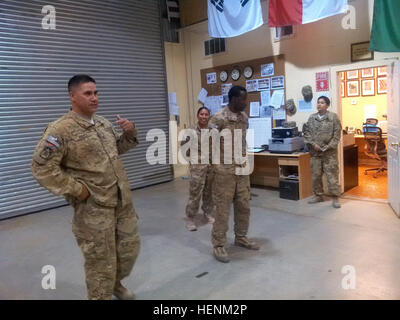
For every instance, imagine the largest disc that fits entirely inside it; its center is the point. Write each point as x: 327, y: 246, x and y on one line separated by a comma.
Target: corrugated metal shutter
x: 117, y: 42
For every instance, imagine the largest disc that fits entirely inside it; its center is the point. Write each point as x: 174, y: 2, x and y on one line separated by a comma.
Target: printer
x: 285, y: 140
x: 284, y: 132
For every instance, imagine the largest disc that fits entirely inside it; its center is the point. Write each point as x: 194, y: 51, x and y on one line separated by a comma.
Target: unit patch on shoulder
x: 53, y: 141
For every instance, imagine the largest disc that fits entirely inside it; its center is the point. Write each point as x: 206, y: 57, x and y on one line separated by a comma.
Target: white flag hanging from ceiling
x: 231, y: 18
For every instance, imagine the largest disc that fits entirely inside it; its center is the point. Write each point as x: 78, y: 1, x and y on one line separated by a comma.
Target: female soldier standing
x: 201, y: 178
x: 322, y: 135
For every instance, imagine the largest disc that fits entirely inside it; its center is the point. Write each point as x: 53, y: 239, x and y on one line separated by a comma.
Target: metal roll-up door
x: 117, y: 42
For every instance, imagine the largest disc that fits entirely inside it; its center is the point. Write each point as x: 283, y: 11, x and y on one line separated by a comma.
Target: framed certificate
x: 360, y: 52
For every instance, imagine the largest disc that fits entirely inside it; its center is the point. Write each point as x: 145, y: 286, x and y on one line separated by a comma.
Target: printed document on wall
x: 259, y: 132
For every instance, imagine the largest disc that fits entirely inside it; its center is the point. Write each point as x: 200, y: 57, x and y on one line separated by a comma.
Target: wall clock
x: 248, y: 72
x: 223, y: 76
x: 235, y: 74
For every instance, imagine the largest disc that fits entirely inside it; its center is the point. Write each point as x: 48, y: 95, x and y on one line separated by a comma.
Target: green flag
x: 385, y: 34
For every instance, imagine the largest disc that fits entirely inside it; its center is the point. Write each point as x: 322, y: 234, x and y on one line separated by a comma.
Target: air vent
x: 214, y: 46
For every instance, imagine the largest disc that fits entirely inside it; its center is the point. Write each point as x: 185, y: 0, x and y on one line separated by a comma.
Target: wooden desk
x: 270, y: 167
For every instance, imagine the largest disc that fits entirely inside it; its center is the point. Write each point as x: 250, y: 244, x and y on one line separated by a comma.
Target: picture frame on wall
x: 382, y: 71
x: 368, y: 87
x: 368, y: 73
x: 381, y: 84
x: 352, y: 74
x: 353, y: 88
x: 342, y: 89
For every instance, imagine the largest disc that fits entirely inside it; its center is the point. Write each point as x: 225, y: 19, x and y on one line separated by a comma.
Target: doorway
x: 363, y: 101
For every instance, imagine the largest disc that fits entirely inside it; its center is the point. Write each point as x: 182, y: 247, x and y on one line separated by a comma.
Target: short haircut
x: 77, y: 80
x: 326, y: 99
x: 235, y: 92
x: 203, y: 108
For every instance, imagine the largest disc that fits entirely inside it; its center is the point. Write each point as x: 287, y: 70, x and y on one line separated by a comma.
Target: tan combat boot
x: 190, y: 225
x: 246, y: 243
x: 335, y: 202
x: 122, y: 293
x: 316, y: 199
x: 220, y: 254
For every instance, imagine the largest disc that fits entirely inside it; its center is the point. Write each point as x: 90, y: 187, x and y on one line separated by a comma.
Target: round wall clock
x: 235, y: 74
x: 248, y: 72
x: 223, y: 76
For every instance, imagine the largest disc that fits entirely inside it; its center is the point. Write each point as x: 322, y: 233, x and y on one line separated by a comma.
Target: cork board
x: 215, y: 88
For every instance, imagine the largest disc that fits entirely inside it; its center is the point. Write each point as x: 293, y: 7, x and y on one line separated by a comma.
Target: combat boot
x: 220, y: 254
x: 122, y: 293
x: 335, y: 202
x: 210, y: 219
x: 316, y: 199
x: 246, y: 243
x: 190, y: 225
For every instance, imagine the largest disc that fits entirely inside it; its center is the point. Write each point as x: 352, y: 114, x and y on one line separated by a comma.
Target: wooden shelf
x: 268, y: 169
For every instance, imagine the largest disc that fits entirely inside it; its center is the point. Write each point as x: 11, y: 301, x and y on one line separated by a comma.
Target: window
x: 283, y: 32
x: 214, y: 46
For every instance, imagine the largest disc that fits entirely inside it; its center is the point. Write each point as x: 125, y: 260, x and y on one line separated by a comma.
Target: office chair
x: 374, y: 145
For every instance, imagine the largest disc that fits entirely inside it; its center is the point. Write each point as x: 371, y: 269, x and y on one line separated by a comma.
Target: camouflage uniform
x: 325, y: 133
x: 73, y: 152
x: 229, y: 187
x: 200, y: 184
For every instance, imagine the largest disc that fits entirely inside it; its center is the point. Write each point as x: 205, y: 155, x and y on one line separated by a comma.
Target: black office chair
x: 374, y: 145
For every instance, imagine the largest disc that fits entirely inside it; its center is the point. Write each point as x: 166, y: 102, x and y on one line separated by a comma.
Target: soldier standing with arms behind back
x: 322, y: 135
x: 78, y: 158
x: 228, y: 185
x: 201, y: 176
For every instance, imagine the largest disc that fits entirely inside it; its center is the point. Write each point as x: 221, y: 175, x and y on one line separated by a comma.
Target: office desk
x: 270, y: 167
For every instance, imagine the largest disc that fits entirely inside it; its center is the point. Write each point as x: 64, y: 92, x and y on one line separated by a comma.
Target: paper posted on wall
x: 251, y: 85
x: 265, y: 112
x: 211, y: 78
x: 369, y: 111
x: 255, y: 109
x: 172, y: 103
x: 259, y: 132
x: 214, y: 103
x: 202, y: 95
x: 264, y: 84
x: 265, y: 98
x: 277, y: 99
x: 279, y: 114
x: 305, y: 106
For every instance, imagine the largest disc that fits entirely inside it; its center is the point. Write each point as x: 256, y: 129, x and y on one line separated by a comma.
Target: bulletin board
x: 215, y: 88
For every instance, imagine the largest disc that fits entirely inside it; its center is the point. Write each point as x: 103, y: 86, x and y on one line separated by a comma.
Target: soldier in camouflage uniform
x: 78, y: 158
x: 322, y: 135
x: 201, y: 177
x: 229, y: 187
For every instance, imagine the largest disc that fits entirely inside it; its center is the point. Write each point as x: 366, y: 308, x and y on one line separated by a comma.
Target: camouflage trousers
x: 109, y: 240
x: 326, y: 163
x: 228, y: 189
x: 200, y: 186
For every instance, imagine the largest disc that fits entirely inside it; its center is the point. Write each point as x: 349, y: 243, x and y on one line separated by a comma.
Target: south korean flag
x: 231, y: 18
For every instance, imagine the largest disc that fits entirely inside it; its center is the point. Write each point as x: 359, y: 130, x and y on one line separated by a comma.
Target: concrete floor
x: 304, y: 248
